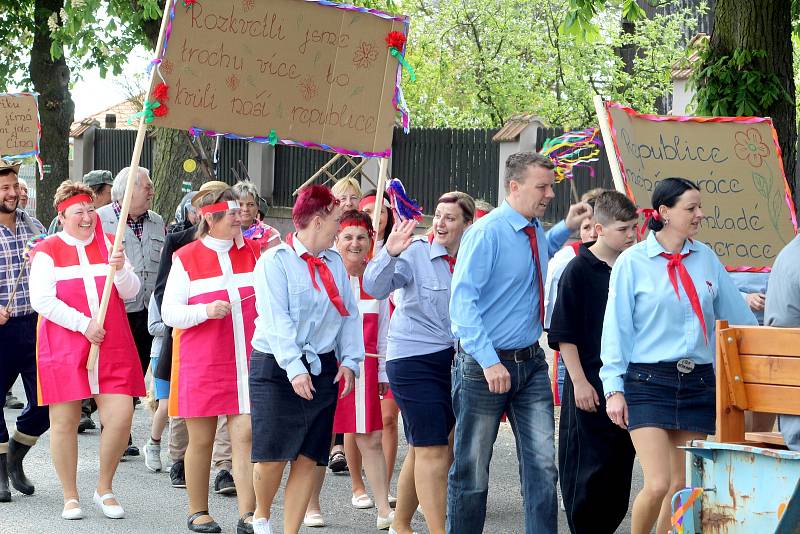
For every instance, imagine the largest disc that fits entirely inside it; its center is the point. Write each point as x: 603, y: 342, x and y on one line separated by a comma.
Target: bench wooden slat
x: 777, y: 370
x: 769, y: 340
x: 730, y: 420
x: 773, y: 399
x: 773, y: 438
x: 732, y: 367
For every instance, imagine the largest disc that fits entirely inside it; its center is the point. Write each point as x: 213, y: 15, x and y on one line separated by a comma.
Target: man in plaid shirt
x: 17, y: 334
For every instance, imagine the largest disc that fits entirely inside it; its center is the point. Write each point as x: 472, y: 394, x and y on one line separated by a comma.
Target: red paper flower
x: 396, y: 40
x: 189, y: 3
x: 160, y: 92
x: 161, y: 110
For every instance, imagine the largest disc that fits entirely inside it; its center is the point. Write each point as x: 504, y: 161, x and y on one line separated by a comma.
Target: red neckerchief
x: 325, y: 275
x: 576, y: 246
x: 451, y: 261
x: 676, y: 269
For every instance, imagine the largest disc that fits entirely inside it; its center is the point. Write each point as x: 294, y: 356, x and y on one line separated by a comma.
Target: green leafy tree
x: 478, y: 62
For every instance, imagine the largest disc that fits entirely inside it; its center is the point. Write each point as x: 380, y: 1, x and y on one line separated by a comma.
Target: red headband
x: 225, y: 205
x: 366, y: 201
x: 356, y: 222
x: 480, y: 213
x: 71, y: 201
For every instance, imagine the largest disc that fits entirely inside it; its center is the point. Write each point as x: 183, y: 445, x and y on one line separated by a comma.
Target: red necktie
x: 325, y: 275
x: 451, y: 261
x: 676, y: 269
x: 531, y: 231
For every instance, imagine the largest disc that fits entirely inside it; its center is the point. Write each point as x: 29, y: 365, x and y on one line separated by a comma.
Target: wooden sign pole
x: 314, y: 176
x: 126, y: 201
x: 608, y: 142
x: 383, y: 169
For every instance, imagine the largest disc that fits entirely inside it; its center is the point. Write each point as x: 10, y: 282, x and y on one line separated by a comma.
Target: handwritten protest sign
x: 19, y: 124
x: 749, y: 214
x: 314, y: 72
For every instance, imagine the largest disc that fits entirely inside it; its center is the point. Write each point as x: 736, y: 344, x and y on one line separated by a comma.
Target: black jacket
x: 172, y: 243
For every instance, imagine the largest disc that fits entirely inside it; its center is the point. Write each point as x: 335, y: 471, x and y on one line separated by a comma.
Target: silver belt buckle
x: 685, y: 365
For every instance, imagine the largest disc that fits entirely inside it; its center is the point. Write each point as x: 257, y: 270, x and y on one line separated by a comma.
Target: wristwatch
x: 611, y: 393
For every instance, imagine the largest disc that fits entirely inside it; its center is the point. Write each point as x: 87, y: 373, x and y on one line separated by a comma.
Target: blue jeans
x: 529, y: 404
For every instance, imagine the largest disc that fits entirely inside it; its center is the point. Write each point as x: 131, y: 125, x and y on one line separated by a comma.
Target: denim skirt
x: 421, y: 389
x: 284, y: 424
x: 659, y: 395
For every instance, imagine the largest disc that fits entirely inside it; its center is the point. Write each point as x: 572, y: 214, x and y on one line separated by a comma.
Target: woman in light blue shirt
x: 420, y: 350
x: 308, y: 322
x: 658, y: 344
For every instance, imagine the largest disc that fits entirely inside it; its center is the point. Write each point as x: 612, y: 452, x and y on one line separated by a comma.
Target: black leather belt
x: 513, y: 355
x: 519, y: 355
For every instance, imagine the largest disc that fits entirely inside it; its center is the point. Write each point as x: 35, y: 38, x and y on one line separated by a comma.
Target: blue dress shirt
x: 420, y: 277
x: 747, y: 283
x: 295, y: 319
x: 495, y: 302
x: 645, y: 322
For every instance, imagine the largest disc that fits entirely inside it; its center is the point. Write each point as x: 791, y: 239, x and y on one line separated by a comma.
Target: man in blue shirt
x: 496, y: 314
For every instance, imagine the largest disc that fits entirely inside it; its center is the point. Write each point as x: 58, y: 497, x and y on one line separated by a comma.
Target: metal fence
x: 433, y: 161
x: 429, y: 161
x: 113, y: 149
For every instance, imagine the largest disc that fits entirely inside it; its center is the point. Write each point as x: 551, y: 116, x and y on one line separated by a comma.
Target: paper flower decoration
x: 160, y: 92
x: 396, y: 41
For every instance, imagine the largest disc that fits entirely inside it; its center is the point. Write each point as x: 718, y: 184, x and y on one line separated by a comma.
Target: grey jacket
x: 143, y: 254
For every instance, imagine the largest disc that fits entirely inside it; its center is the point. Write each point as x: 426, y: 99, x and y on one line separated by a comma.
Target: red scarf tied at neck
x: 676, y: 269
x: 325, y: 275
x: 451, y: 261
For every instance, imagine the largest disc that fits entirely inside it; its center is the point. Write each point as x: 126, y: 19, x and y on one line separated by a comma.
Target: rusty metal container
x: 747, y: 489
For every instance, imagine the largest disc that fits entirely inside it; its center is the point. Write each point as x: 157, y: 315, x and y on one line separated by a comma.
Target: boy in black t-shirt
x: 595, y: 456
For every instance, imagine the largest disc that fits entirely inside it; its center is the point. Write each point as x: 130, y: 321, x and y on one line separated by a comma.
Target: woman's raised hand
x: 400, y: 237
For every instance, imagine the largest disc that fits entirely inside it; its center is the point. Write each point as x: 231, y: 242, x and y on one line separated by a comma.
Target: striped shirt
x: 12, y: 245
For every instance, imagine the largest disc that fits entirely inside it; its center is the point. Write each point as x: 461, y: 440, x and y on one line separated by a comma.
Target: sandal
x: 314, y: 520
x: 244, y: 527
x: 337, y: 463
x: 362, y: 502
x: 210, y: 526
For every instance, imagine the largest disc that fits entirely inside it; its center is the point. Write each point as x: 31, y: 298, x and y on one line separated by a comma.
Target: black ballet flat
x: 243, y: 527
x: 211, y: 526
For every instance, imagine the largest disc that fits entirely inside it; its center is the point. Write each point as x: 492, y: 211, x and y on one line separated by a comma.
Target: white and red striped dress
x: 360, y: 411
x: 211, y: 357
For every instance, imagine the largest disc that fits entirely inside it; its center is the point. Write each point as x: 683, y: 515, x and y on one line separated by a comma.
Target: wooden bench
x: 758, y: 369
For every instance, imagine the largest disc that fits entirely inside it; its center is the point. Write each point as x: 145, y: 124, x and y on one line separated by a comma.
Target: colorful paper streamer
x: 573, y: 149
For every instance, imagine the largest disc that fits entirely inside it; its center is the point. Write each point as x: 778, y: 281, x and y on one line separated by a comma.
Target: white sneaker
x: 383, y: 523
x: 152, y: 456
x: 111, y: 511
x: 261, y: 526
x: 72, y: 513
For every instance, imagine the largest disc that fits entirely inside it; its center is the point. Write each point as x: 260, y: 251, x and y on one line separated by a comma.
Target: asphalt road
x: 153, y: 506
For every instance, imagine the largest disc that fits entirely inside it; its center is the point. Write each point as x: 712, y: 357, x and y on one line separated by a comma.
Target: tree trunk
x: 764, y: 25
x: 56, y: 110
x: 170, y: 149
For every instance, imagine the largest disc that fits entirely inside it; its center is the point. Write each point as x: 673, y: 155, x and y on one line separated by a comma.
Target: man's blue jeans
x: 529, y: 405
